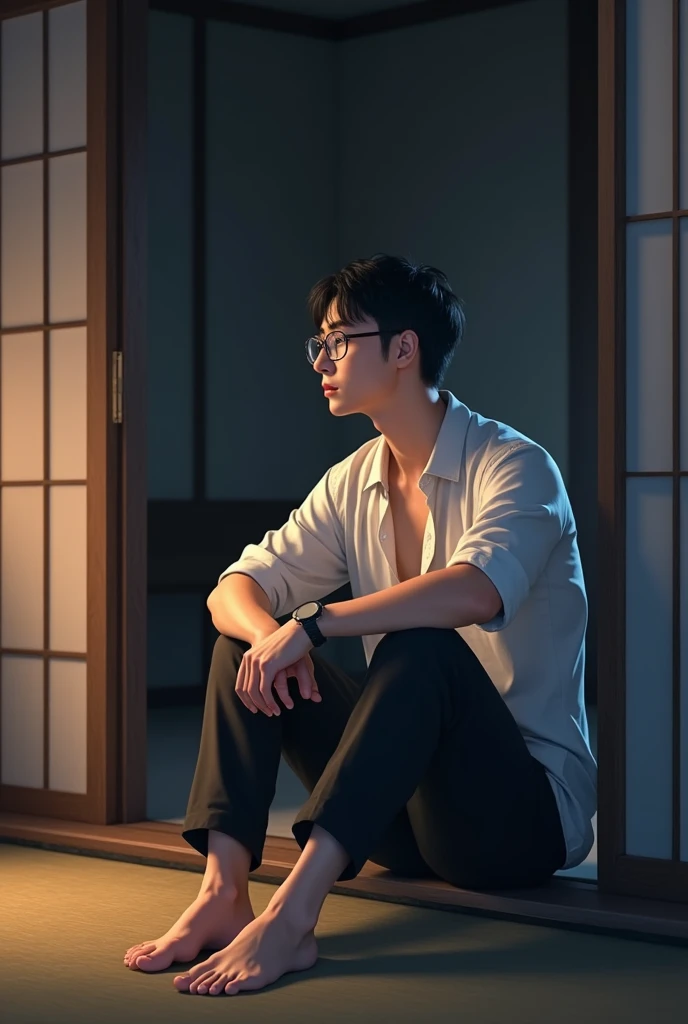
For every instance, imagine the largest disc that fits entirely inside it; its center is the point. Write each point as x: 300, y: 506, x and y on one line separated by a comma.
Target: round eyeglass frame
x: 363, y: 334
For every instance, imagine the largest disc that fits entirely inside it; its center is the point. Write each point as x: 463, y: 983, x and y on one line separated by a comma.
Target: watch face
x: 308, y: 609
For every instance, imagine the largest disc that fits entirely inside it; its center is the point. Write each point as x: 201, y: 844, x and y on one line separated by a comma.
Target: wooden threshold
x: 564, y: 902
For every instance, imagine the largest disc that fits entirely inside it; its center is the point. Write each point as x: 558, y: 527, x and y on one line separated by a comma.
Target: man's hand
x: 269, y: 659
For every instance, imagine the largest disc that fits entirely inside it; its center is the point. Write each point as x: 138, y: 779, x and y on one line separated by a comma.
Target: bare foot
x: 268, y: 947
x: 211, y: 922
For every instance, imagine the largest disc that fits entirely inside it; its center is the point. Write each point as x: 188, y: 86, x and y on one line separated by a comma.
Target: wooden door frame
x: 132, y: 765
x: 611, y: 441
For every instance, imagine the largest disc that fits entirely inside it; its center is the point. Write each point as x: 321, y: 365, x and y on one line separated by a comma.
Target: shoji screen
x: 644, y: 444
x: 43, y: 400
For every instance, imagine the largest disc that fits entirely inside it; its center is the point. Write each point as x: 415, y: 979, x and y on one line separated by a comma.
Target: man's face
x: 361, y: 377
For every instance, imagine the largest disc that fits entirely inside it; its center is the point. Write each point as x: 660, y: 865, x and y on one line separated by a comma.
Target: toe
x: 201, y: 982
x: 197, y: 973
x: 155, y: 960
x: 182, y: 982
x: 233, y: 986
x: 217, y: 986
x: 205, y: 984
x: 142, y: 947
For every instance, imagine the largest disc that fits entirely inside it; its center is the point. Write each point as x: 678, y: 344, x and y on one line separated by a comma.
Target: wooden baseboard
x: 565, y: 903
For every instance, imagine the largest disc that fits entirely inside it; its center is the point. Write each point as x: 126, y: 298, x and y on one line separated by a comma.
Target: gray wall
x: 445, y: 143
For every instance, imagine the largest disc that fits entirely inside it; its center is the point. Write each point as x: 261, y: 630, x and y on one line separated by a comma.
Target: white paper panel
x: 21, y: 407
x: 22, y: 86
x: 67, y: 74
x: 683, y: 342
x: 648, y: 106
x: 22, y: 244
x: 68, y: 238
x: 21, y: 580
x: 648, y: 667
x: 67, y: 724
x: 68, y: 404
x: 649, y: 379
x: 683, y: 767
x: 22, y: 721
x: 68, y: 569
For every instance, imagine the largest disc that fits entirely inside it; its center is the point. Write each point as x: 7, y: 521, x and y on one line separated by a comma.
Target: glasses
x: 337, y: 343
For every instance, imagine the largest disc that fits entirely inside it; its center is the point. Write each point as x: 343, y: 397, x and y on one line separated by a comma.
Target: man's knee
x: 228, y: 646
x: 418, y: 637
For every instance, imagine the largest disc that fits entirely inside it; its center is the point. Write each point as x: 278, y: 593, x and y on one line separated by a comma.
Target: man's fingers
x: 250, y: 693
x: 260, y: 697
x: 303, y: 677
x: 264, y: 694
x: 302, y: 670
x: 310, y: 684
x: 282, y: 686
x: 315, y: 692
x: 240, y: 688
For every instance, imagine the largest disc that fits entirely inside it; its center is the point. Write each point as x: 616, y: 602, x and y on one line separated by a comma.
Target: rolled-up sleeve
x: 521, y: 517
x: 306, y: 558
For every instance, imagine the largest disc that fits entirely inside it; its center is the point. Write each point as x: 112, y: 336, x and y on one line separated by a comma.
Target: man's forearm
x: 239, y: 607
x: 444, y: 599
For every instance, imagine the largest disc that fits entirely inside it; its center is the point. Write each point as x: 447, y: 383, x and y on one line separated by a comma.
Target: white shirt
x: 496, y: 500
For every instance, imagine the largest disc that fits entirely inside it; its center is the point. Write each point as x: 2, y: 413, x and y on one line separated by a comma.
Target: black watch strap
x: 313, y: 630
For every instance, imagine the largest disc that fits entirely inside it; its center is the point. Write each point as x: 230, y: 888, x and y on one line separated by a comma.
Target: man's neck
x: 407, y: 477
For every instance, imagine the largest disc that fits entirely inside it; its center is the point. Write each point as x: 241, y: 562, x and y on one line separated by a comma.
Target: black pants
x: 420, y: 768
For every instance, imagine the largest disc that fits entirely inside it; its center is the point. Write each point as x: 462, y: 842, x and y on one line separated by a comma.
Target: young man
x: 464, y: 754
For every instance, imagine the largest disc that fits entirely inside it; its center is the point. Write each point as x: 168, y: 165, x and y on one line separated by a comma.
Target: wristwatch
x: 306, y: 614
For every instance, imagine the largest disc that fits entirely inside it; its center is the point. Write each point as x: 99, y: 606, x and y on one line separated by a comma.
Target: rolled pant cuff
x: 303, y: 827
x: 195, y: 832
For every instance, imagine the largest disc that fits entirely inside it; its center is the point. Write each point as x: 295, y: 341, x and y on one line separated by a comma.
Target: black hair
x: 397, y: 294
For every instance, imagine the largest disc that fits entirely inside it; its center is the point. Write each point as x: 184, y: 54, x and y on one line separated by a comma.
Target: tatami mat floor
x: 67, y: 920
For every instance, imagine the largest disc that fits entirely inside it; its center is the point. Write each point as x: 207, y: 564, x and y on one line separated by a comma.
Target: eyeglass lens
x: 335, y: 345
